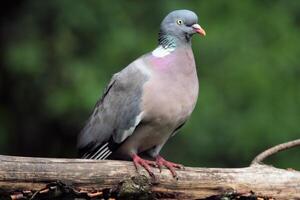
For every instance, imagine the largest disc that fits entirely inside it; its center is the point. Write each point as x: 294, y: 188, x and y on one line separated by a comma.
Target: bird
x: 147, y: 102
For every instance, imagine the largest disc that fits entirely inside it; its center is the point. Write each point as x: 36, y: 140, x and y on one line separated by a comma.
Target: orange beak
x: 198, y: 29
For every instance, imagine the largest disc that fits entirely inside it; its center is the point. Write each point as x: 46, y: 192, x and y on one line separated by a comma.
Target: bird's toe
x: 170, y: 165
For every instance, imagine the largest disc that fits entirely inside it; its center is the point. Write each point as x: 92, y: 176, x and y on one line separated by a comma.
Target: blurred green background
x: 57, y: 56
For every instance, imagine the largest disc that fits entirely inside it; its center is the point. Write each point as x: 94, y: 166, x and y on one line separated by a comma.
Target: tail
x: 101, y: 152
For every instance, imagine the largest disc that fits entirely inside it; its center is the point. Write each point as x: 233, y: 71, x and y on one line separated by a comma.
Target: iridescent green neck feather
x: 166, y: 41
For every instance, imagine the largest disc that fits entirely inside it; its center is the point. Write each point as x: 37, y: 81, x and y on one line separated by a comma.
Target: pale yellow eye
x: 179, y: 22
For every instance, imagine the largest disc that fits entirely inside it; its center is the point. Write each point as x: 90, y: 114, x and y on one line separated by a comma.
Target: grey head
x: 178, y: 27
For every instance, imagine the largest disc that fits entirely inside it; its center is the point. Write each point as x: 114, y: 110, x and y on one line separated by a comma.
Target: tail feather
x: 100, y: 152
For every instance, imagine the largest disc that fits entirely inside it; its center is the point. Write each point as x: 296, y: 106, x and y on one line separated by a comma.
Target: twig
x: 281, y: 147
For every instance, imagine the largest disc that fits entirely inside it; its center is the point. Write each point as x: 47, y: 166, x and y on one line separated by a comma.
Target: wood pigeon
x: 147, y: 102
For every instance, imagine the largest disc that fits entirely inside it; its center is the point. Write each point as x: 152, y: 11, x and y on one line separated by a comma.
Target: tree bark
x: 33, y: 177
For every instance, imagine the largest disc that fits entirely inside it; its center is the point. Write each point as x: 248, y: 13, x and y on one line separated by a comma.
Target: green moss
x: 137, y: 187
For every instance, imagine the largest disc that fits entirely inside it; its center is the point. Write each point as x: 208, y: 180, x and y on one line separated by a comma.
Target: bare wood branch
x: 271, y: 151
x: 119, y: 179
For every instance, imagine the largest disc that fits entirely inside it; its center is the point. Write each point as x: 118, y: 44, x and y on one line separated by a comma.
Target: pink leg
x: 144, y: 163
x: 170, y: 165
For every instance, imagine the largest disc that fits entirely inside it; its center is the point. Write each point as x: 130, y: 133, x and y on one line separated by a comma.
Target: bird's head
x: 181, y: 24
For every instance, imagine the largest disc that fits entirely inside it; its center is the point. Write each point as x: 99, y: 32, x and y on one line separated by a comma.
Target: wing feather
x: 115, y: 115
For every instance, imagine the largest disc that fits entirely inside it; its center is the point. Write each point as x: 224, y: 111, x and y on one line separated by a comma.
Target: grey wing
x: 115, y: 115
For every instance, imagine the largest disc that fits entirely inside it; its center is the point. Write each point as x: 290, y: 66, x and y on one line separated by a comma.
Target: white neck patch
x: 162, y: 52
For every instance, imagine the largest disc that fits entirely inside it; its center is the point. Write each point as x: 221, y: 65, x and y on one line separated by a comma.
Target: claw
x: 170, y: 165
x: 144, y: 163
x: 159, y: 163
x: 160, y: 166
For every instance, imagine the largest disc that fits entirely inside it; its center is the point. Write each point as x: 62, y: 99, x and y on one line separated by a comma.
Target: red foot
x: 144, y: 163
x: 170, y: 165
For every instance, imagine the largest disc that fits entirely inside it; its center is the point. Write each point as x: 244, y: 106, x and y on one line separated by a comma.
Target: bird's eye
x: 179, y: 22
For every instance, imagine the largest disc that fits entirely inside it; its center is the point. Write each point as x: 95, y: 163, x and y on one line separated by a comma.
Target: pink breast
x: 163, y: 63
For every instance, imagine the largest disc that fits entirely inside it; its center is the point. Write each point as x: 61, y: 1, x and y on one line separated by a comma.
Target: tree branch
x: 36, y: 177
x: 281, y: 147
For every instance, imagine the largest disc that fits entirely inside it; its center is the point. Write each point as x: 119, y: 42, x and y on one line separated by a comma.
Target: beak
x: 198, y: 29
